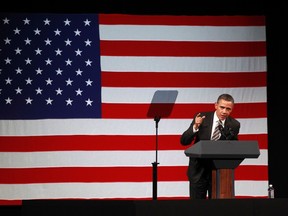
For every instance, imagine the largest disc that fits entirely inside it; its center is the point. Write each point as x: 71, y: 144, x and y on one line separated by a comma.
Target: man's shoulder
x: 233, y: 120
x: 207, y: 113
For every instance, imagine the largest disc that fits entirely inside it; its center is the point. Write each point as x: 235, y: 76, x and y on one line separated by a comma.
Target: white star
x: 79, y: 72
x: 39, y: 71
x: 28, y: 81
x: 8, y: 100
x: 38, y: 90
x: 37, y: 31
x: 58, y: 52
x: 49, y: 81
x: 6, y: 20
x: 59, y: 71
x: 7, y: 40
x: 48, y: 61
x: 78, y: 52
x: 46, y: 21
x: 7, y: 61
x: 27, y: 41
x: 28, y: 61
x: 18, y: 90
x: 69, y: 82
x: 88, y: 42
x: 67, y: 22
x: 77, y: 32
x: 68, y: 42
x: 16, y: 31
x: 69, y: 102
x: 87, y: 22
x: 18, y: 71
x: 49, y: 101
x: 79, y: 92
x: 29, y: 100
x: 26, y: 21
x: 59, y: 91
x: 48, y: 41
x: 88, y: 62
x: 57, y: 32
x: 18, y: 51
x: 38, y: 51
x: 68, y: 62
x: 88, y: 82
x: 88, y: 102
x: 8, y: 81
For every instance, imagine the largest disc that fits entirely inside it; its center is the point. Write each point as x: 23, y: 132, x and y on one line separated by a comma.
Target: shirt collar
x: 215, y: 119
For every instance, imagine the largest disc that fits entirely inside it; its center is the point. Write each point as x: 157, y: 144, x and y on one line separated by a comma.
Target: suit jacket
x: 201, y: 168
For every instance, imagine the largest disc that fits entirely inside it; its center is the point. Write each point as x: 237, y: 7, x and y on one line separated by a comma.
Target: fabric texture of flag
x: 75, y: 93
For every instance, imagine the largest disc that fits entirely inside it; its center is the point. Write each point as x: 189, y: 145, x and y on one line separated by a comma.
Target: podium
x: 225, y: 156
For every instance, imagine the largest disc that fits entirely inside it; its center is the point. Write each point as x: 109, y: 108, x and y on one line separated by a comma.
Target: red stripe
x: 81, y: 142
x: 101, y: 143
x: 176, y: 48
x: 10, y: 202
x: 150, y: 79
x: 251, y: 173
x: 140, y: 111
x: 115, y: 174
x: 119, y: 19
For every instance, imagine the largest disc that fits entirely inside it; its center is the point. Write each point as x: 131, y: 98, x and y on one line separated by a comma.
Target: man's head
x: 224, y: 106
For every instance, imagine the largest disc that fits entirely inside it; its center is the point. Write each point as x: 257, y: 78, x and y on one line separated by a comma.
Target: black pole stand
x: 155, y: 164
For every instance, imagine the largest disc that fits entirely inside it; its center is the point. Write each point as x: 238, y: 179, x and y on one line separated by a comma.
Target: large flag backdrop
x: 75, y: 90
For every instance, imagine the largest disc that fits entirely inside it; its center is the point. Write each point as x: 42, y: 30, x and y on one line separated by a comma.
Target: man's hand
x: 198, y: 121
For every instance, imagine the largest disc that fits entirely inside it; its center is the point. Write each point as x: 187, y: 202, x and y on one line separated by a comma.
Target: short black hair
x: 226, y: 97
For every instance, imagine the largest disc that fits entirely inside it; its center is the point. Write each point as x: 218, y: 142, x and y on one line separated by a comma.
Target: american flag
x: 75, y: 94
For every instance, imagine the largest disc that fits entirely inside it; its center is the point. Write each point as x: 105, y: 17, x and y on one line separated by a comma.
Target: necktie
x: 217, y: 132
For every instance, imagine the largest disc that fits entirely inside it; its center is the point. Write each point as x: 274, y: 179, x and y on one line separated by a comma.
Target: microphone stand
x: 155, y: 164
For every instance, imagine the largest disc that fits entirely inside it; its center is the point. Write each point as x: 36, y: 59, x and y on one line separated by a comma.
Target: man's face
x: 223, y: 109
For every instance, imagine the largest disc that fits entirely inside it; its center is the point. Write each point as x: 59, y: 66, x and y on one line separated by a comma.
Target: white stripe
x: 182, y: 33
x: 184, y: 95
x: 183, y: 64
x: 262, y: 160
x: 253, y: 188
x: 103, y: 159
x: 115, y: 190
x: 56, y: 127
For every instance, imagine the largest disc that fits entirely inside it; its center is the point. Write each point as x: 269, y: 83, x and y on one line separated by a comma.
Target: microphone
x: 227, y: 133
x: 231, y: 133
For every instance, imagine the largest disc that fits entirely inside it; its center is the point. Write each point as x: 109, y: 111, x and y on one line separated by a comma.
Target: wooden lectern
x: 225, y: 155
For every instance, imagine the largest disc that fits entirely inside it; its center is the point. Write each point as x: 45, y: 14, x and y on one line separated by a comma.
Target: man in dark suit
x: 202, y: 128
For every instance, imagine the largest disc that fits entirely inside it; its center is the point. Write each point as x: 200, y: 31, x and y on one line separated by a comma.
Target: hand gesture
x: 198, y: 121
